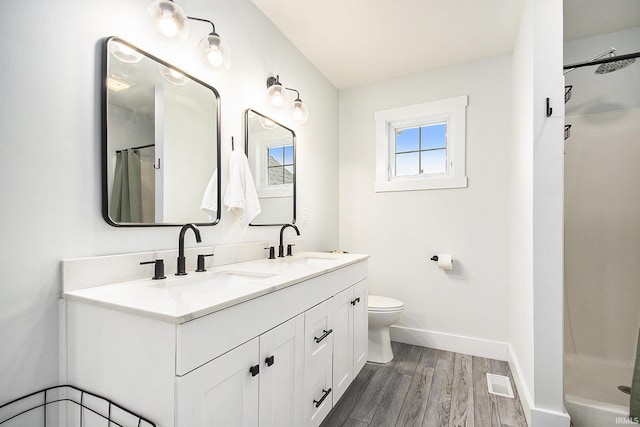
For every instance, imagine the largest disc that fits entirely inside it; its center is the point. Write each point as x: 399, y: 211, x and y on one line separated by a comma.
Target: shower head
x: 614, y: 66
x: 607, y: 61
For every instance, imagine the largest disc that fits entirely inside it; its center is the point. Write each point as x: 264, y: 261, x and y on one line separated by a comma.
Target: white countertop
x: 178, y: 299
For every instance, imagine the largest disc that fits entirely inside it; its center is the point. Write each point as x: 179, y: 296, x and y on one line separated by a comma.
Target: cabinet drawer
x: 318, y: 392
x: 318, y: 327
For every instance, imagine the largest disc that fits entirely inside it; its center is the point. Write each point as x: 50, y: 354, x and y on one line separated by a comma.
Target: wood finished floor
x: 427, y: 387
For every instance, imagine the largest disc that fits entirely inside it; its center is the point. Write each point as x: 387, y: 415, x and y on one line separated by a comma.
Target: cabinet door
x: 223, y: 392
x: 282, y: 374
x: 318, y: 335
x: 360, y: 326
x: 342, y: 306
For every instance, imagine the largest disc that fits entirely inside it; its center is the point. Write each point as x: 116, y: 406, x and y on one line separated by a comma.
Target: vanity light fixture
x: 168, y: 21
x: 215, y: 51
x: 278, y: 95
x: 171, y: 25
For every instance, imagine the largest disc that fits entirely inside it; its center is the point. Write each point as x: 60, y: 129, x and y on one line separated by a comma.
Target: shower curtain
x: 126, y: 198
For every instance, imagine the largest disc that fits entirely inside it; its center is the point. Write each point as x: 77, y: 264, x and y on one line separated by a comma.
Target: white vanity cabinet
x: 256, y: 384
x: 318, y: 378
x: 197, y: 369
x: 350, y: 336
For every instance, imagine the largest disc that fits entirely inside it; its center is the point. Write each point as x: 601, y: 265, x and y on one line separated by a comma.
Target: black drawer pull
x: 355, y: 301
x: 324, y: 335
x: 269, y: 360
x: 324, y: 396
x: 255, y: 370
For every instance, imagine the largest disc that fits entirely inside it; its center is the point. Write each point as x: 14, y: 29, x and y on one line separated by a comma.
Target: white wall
x: 402, y: 230
x: 536, y: 218
x: 50, y: 152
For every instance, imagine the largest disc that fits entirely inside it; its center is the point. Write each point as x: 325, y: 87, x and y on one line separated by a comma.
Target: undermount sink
x: 220, y: 283
x: 312, y: 260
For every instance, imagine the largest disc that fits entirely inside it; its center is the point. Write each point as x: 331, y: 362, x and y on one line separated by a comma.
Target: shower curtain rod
x: 138, y: 148
x: 602, y: 61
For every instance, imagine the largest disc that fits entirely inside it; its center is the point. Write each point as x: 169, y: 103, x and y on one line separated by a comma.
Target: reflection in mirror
x: 271, y: 150
x: 161, y: 142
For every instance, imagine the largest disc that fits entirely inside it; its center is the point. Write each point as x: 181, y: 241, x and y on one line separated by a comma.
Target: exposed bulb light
x: 168, y: 21
x: 278, y: 95
x: 299, y: 111
x: 171, y: 25
x: 215, y: 52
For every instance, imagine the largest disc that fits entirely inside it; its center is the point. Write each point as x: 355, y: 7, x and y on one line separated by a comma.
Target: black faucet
x: 182, y: 270
x: 281, y: 247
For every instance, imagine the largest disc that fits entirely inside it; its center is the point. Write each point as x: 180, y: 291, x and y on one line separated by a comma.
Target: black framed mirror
x: 271, y: 151
x: 160, y: 142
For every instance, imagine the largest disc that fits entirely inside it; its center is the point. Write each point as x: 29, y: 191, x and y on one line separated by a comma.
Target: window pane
x: 434, y: 161
x: 276, y: 175
x: 434, y: 136
x: 276, y: 156
x: 288, y: 174
x: 407, y: 164
x: 407, y: 140
x: 288, y: 154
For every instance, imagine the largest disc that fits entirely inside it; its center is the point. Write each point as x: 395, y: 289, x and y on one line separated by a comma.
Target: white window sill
x: 416, y: 184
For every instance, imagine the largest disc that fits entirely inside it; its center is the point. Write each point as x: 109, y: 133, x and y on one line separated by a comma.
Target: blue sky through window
x: 421, y: 150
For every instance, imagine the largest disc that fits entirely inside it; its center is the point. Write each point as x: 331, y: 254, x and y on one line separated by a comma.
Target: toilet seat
x: 383, y: 304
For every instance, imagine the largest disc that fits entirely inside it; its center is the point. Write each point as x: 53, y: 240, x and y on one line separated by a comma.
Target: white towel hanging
x: 210, y: 198
x: 241, y: 196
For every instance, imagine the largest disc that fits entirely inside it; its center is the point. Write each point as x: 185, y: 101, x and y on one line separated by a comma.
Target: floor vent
x: 499, y: 385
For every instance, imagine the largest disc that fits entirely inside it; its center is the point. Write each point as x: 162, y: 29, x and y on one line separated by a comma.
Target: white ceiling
x: 355, y: 42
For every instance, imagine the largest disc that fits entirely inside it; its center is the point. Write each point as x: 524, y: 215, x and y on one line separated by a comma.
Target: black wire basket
x: 67, y: 406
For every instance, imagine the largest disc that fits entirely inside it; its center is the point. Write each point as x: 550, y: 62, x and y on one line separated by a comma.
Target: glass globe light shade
x: 215, y: 52
x: 173, y: 76
x: 124, y: 53
x: 299, y: 111
x: 168, y: 21
x: 278, y: 94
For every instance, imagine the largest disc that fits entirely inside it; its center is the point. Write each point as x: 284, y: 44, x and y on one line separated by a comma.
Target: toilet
x: 383, y: 312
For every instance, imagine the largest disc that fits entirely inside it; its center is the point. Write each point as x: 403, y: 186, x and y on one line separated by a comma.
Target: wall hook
x: 549, y: 109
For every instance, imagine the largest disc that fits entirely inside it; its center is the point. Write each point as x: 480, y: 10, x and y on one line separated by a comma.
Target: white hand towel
x: 241, y: 196
x: 210, y: 198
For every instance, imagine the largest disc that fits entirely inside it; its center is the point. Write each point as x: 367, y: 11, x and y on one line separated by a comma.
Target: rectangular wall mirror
x: 161, y: 141
x: 271, y: 150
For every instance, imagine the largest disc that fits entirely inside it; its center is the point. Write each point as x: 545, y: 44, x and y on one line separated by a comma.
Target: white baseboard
x: 545, y: 418
x: 536, y: 417
x: 456, y: 343
x: 523, y: 390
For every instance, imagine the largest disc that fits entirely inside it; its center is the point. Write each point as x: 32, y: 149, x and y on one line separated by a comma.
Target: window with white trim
x: 421, y: 147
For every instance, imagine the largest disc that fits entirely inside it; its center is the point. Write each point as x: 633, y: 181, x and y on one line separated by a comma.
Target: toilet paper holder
x: 434, y: 258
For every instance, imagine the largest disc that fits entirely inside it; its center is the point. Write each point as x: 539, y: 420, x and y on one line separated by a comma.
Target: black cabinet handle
x: 324, y: 396
x: 269, y: 360
x: 255, y: 370
x: 355, y: 301
x: 324, y: 335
